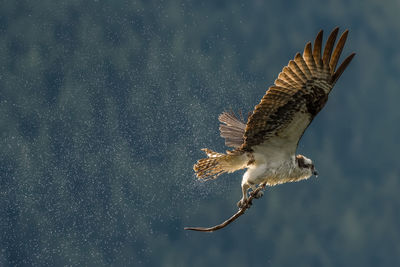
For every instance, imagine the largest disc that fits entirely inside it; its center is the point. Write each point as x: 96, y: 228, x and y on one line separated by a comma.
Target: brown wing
x: 299, y: 93
x: 232, y: 129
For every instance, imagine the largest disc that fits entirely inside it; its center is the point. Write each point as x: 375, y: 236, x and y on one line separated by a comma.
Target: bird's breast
x: 271, y: 172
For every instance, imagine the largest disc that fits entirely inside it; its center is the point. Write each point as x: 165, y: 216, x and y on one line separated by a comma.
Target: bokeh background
x: 105, y: 105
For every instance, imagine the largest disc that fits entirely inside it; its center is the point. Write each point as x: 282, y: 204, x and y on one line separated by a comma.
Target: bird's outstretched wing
x: 299, y: 93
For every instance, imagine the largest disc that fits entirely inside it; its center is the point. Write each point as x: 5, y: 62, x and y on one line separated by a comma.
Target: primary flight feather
x: 266, y: 145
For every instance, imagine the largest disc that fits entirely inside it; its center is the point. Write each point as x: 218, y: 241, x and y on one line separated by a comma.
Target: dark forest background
x: 105, y: 105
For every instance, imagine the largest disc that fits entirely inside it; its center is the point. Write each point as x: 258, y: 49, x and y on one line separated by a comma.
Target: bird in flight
x: 266, y: 145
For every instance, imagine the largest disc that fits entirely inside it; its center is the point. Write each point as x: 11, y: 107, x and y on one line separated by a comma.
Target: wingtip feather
x: 317, y: 48
x: 329, y: 46
x: 341, y: 68
x: 338, y: 51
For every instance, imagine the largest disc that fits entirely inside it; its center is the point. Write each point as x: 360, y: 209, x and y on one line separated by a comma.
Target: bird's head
x: 306, y: 164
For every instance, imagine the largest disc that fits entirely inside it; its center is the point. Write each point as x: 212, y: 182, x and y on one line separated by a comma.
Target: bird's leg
x: 243, y: 201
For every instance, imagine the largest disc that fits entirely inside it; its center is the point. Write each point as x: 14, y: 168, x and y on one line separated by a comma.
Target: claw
x: 243, y: 203
x: 240, y: 204
x: 259, y: 194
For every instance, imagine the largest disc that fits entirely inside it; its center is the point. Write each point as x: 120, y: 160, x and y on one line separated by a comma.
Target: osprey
x: 266, y: 145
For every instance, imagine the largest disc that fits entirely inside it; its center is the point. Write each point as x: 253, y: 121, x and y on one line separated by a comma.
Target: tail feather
x: 219, y: 163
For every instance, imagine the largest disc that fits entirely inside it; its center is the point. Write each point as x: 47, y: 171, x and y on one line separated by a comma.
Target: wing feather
x: 284, y: 77
x: 303, y: 66
x: 329, y: 46
x: 300, y: 92
x: 309, y: 59
x: 338, y: 51
x: 299, y: 73
x: 232, y: 129
x: 317, y: 50
x: 341, y: 68
x: 288, y: 71
x: 283, y: 83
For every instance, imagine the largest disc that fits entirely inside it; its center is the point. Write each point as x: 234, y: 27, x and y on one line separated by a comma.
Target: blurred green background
x: 105, y: 105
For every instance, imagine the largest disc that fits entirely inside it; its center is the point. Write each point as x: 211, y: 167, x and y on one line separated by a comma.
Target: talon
x: 242, y: 203
x: 259, y: 194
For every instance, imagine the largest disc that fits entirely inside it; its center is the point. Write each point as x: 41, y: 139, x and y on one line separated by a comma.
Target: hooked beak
x: 315, y: 172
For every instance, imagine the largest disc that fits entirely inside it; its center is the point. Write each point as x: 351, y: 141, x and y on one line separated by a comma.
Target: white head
x: 306, y: 164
